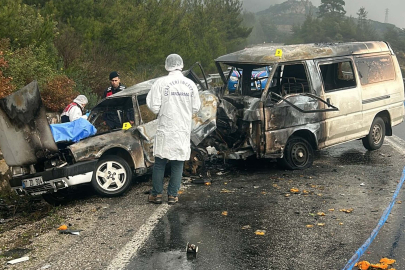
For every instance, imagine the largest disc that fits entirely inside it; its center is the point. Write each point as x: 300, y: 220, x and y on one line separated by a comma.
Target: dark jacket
x: 111, y: 91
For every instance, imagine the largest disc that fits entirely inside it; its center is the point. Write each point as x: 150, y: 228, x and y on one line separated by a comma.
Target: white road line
x: 397, y: 143
x: 131, y: 248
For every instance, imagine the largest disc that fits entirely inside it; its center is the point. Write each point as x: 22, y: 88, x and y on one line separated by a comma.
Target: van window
x: 338, y: 75
x: 290, y: 79
x: 375, y: 69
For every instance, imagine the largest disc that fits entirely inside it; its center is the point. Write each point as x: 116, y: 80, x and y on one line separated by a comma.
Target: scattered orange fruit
x: 62, y: 228
x: 387, y: 261
x: 363, y: 265
x: 380, y: 266
x: 260, y: 232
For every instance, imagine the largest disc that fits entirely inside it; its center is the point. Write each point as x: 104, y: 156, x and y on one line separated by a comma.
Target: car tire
x: 298, y: 154
x: 112, y: 176
x: 375, y: 138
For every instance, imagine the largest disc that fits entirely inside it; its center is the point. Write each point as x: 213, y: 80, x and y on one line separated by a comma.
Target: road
x: 309, y: 229
x: 247, y: 218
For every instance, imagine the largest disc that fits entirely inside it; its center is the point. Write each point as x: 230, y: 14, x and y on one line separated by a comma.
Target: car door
x: 340, y: 88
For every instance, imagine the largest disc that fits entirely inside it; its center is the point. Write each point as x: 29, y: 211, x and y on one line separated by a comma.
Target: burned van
x: 108, y: 160
x: 316, y: 96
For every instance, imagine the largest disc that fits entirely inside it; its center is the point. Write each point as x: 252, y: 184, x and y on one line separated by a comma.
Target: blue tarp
x: 72, y: 131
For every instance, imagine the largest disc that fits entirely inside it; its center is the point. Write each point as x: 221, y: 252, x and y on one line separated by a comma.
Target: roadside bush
x: 6, y: 88
x: 58, y: 93
x: 31, y: 63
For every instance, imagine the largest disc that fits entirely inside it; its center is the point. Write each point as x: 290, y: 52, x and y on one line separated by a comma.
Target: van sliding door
x: 340, y: 89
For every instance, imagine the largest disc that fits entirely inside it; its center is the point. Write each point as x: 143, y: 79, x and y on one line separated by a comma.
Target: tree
x: 334, y: 8
x: 364, y: 30
x: 23, y: 25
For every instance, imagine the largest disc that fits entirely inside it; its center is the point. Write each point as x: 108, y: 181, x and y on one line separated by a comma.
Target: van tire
x: 375, y: 138
x: 298, y: 154
x: 114, y: 169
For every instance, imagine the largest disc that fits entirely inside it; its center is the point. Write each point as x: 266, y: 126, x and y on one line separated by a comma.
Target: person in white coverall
x: 74, y: 110
x: 175, y: 99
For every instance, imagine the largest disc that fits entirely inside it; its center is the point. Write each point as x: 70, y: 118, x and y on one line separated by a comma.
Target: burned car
x: 316, y: 96
x: 121, y: 148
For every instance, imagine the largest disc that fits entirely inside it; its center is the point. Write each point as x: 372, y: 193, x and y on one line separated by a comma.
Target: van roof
x: 266, y: 53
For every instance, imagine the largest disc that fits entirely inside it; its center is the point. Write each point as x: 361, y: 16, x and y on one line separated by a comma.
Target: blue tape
x: 383, y: 218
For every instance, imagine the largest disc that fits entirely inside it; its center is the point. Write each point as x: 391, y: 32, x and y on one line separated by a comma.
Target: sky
x: 375, y: 8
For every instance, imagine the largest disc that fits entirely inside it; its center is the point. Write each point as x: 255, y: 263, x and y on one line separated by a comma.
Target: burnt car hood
x: 25, y: 135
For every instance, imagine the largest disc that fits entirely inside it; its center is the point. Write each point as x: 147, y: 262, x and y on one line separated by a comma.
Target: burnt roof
x: 266, y: 53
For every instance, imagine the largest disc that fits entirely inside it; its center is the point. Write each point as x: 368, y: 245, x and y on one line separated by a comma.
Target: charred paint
x: 25, y: 134
x: 95, y: 147
x: 266, y: 54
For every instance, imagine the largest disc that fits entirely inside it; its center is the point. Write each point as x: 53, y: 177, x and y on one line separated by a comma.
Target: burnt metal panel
x: 252, y: 109
x: 95, y: 147
x: 267, y: 54
x: 25, y: 134
x: 204, y: 122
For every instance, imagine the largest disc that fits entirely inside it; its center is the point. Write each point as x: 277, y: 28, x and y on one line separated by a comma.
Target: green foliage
x: 30, y: 63
x: 332, y: 8
x: 23, y: 25
x: 6, y: 88
x: 84, y: 40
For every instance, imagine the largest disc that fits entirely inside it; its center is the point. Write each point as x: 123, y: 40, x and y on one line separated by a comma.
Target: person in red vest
x: 75, y: 109
x: 115, y: 86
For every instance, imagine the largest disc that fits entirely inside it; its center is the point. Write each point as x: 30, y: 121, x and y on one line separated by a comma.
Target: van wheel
x: 375, y: 137
x: 298, y: 154
x: 112, y: 176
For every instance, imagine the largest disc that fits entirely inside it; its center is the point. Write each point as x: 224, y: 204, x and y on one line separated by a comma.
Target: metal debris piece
x: 68, y: 231
x: 22, y: 259
x: 191, y: 250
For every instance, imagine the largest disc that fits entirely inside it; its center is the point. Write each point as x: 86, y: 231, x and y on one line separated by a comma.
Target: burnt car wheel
x: 112, y: 176
x: 298, y: 154
x: 375, y: 137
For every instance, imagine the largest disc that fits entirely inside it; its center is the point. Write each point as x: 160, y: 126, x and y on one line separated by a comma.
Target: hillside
x: 274, y: 24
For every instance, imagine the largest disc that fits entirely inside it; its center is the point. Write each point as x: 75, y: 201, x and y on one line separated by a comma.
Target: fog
x: 376, y: 8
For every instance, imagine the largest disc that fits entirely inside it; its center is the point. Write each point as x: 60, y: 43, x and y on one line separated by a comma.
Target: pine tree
x: 334, y: 8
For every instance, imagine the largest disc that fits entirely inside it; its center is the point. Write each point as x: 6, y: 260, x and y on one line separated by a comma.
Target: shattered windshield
x: 111, y: 114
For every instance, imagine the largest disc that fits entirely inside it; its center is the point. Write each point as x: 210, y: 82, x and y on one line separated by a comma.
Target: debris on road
x: 68, y: 231
x: 63, y: 229
x: 260, y: 232
x: 191, y: 250
x: 22, y: 259
x: 383, y: 264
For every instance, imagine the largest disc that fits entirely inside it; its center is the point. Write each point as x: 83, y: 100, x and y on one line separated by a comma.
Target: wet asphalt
x: 249, y: 218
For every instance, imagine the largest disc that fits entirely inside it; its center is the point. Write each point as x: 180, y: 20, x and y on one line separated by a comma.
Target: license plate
x: 32, y: 182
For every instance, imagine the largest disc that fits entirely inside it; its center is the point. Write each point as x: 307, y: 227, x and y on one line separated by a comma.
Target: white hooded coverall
x: 175, y: 99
